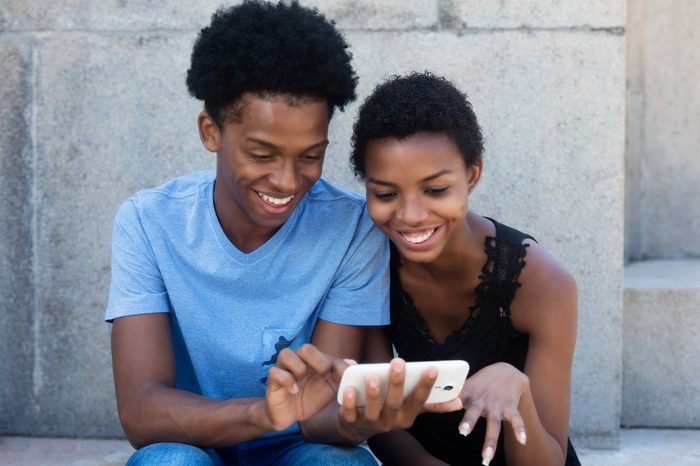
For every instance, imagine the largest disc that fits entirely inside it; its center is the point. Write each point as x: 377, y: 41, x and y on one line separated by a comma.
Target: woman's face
x: 417, y: 190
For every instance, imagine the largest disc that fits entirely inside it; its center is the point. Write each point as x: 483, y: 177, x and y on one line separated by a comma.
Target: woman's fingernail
x: 295, y: 389
x: 464, y: 428
x: 488, y: 456
x: 373, y: 381
x: 522, y: 437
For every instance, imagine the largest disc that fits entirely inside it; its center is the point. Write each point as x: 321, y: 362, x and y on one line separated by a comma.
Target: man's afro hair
x: 420, y: 102
x: 269, y: 49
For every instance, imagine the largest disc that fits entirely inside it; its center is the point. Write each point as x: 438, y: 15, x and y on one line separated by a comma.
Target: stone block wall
x: 95, y: 107
x: 663, y: 126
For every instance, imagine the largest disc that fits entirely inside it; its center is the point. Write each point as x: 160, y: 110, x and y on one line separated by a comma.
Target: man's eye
x: 261, y: 157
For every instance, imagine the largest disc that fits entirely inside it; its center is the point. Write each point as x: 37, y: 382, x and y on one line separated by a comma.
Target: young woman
x: 463, y: 286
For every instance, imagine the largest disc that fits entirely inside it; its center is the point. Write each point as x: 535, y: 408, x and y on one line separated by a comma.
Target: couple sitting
x: 239, y: 296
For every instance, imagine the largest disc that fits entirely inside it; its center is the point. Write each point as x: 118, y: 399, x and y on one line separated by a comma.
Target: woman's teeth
x: 276, y: 200
x: 417, y: 238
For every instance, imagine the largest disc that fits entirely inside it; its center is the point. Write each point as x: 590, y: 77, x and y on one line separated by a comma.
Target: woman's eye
x: 435, y: 191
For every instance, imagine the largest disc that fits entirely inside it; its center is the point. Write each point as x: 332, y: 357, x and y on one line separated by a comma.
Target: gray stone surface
x: 28, y: 451
x: 638, y: 447
x: 88, y: 15
x: 664, y: 116
x: 532, y: 14
x: 16, y: 303
x: 379, y: 14
x: 551, y: 105
x: 661, y: 381
x: 113, y: 117
x: 649, y: 447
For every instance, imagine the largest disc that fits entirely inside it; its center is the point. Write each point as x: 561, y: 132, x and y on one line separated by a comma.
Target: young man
x: 220, y: 279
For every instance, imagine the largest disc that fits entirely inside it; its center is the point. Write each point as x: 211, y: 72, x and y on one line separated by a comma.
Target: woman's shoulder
x: 547, y: 289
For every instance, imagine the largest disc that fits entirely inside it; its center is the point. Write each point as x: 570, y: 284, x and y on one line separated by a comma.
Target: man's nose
x: 285, y: 178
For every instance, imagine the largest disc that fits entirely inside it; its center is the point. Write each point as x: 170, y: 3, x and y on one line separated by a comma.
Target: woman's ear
x: 209, y: 132
x: 474, y: 174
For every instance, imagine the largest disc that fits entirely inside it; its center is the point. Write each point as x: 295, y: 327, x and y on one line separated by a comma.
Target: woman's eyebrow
x: 437, y: 175
x: 381, y: 182
x: 427, y: 178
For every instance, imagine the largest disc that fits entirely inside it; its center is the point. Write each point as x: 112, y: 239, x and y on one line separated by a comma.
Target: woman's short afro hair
x: 420, y: 102
x: 269, y: 49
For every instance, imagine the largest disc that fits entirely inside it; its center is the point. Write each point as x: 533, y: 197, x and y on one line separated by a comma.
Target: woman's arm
x: 536, y: 403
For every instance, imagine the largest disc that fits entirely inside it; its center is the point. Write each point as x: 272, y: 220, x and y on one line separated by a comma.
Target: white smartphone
x: 451, y: 377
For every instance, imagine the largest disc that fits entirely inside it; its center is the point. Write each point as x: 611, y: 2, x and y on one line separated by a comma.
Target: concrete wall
x: 663, y: 117
x: 660, y: 381
x: 105, y: 112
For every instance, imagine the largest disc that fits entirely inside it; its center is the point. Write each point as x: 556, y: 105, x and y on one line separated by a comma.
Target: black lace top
x: 486, y: 337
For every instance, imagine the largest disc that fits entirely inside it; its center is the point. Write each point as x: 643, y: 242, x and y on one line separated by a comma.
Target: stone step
x: 638, y: 447
x: 661, y: 344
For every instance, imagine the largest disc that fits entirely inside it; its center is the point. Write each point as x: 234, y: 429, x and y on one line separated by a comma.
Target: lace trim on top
x: 484, y: 334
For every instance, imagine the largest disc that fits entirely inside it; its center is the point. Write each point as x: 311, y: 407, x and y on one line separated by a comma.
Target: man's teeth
x: 276, y: 200
x: 416, y: 238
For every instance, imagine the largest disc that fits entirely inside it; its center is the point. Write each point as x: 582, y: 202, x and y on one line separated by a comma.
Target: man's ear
x: 209, y: 132
x: 474, y: 174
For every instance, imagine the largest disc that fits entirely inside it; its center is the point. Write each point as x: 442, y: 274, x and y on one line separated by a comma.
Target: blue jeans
x: 285, y: 450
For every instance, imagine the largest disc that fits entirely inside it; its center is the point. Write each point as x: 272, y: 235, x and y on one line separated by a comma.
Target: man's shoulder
x: 172, y: 193
x: 165, y: 201
x: 328, y: 194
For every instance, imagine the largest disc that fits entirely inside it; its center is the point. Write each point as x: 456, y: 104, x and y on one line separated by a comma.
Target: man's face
x: 267, y: 161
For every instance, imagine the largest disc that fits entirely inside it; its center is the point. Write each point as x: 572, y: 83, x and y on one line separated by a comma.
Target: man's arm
x: 152, y: 410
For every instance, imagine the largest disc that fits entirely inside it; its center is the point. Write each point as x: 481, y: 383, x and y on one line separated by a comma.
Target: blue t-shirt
x: 232, y: 312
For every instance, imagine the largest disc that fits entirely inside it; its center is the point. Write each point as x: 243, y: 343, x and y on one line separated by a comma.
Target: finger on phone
x: 348, y: 410
x: 425, y: 385
x: 373, y: 397
x: 394, y: 393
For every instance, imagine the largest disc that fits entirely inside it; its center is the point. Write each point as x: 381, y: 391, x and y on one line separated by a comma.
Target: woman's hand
x: 494, y: 393
x: 394, y: 412
x: 301, y: 384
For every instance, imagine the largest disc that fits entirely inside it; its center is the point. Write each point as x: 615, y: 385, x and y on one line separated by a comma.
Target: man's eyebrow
x: 272, y: 146
x: 261, y: 142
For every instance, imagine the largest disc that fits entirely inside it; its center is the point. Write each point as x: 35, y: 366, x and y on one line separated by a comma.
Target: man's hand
x: 301, y: 384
